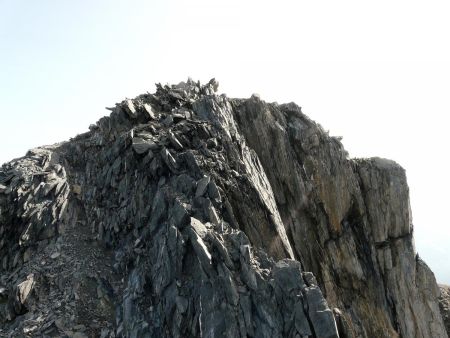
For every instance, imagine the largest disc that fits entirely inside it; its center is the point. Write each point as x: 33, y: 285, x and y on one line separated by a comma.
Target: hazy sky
x: 376, y: 73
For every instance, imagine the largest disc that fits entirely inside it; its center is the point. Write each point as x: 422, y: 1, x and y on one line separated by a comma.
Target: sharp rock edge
x: 189, y: 214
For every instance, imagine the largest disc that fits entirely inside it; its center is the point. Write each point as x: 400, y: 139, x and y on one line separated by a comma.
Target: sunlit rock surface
x: 189, y: 214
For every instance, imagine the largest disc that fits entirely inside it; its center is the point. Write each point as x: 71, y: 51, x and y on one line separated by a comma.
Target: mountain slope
x: 186, y: 213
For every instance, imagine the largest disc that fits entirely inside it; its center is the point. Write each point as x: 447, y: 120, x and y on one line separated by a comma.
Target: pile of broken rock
x: 130, y: 230
x: 189, y: 214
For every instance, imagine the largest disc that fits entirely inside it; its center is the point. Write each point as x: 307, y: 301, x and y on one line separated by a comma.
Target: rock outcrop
x: 189, y: 214
x: 444, y: 304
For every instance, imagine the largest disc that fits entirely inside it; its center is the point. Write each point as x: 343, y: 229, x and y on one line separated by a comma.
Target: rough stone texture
x: 349, y: 223
x: 444, y: 304
x: 188, y: 214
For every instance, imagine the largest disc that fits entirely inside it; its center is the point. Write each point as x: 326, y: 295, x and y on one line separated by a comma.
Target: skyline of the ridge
x: 376, y: 74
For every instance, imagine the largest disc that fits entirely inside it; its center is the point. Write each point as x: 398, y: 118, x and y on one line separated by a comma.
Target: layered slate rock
x: 349, y: 222
x: 189, y: 214
x: 152, y: 225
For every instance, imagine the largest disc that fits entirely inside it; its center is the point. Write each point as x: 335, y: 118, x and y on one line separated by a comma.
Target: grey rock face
x: 444, y: 304
x: 188, y: 214
x: 349, y: 221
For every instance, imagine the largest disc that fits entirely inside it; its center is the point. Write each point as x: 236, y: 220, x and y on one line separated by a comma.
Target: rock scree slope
x: 186, y: 213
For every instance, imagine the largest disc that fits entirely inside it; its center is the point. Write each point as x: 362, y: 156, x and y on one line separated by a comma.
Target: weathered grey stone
x: 169, y: 160
x: 149, y: 110
x: 130, y: 108
x: 141, y: 146
x: 199, y: 227
x: 213, y: 192
x: 321, y: 316
x: 288, y: 275
x: 350, y: 231
x: 222, y: 250
x: 168, y: 121
x: 180, y: 214
x: 239, y: 219
x: 200, y: 247
x: 444, y: 305
x: 309, y: 278
x: 202, y: 185
x: 23, y: 292
x: 174, y: 142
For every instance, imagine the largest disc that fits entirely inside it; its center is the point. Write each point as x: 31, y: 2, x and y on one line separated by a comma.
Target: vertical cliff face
x: 349, y: 222
x: 188, y: 214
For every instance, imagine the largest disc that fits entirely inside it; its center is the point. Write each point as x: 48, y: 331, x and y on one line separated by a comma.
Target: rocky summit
x: 186, y: 213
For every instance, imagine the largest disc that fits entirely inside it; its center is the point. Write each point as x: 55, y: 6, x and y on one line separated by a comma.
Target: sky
x: 376, y: 73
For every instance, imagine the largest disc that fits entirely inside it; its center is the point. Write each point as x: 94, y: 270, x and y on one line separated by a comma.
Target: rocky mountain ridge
x: 190, y: 214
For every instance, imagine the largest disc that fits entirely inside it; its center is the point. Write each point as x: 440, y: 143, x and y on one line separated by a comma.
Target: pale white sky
x: 376, y: 73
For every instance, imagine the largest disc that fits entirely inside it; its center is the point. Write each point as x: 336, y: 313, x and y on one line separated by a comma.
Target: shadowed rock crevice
x: 188, y: 214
